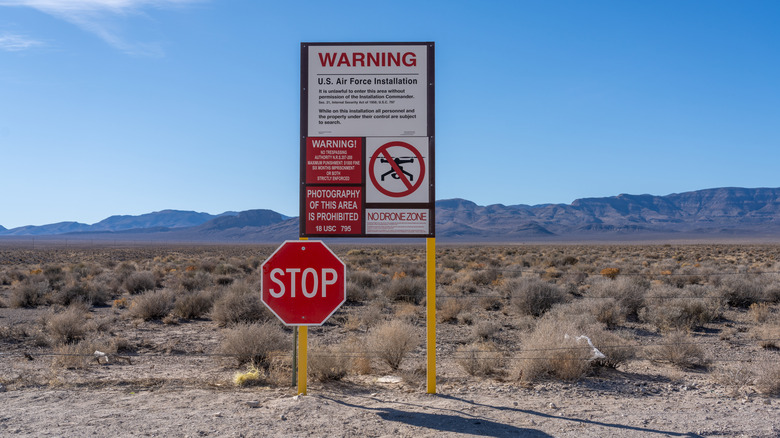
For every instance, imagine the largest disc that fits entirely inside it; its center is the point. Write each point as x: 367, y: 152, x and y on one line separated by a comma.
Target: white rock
x: 389, y: 379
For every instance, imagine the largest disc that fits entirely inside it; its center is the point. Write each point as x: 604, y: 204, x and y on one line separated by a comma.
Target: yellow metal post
x: 430, y: 258
x: 303, y: 338
x: 295, y: 350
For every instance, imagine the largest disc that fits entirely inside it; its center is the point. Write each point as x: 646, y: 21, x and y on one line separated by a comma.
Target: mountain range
x: 729, y: 212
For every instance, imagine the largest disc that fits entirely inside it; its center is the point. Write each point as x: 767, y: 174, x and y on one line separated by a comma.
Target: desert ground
x: 532, y: 340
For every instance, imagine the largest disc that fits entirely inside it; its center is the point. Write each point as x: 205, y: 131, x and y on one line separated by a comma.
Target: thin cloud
x: 16, y: 43
x: 98, y: 17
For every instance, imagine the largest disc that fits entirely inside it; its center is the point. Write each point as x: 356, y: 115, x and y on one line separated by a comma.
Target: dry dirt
x: 174, y: 386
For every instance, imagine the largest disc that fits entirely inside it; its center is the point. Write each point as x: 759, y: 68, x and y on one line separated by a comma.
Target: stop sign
x: 303, y: 282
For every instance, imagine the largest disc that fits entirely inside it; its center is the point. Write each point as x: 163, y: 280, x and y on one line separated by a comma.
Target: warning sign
x: 367, y: 140
x: 333, y: 160
x: 397, y: 170
x: 333, y: 210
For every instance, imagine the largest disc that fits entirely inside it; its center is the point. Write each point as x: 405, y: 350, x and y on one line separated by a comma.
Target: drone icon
x: 398, y: 162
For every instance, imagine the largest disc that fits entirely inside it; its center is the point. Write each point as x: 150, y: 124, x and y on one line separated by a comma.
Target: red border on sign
x: 410, y: 188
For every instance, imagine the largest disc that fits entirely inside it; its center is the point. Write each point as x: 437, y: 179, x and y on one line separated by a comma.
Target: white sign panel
x: 366, y: 90
x: 397, y: 221
x: 397, y: 170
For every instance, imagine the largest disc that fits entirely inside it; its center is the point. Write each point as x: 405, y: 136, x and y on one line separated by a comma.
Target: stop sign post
x: 303, y: 283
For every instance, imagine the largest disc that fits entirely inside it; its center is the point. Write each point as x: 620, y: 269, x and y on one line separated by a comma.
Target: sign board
x: 303, y: 282
x: 367, y: 140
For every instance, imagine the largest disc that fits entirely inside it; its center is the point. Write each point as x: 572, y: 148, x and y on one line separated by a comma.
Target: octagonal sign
x: 303, y: 282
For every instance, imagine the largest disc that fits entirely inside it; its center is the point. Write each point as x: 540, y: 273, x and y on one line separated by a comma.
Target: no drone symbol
x: 386, y: 178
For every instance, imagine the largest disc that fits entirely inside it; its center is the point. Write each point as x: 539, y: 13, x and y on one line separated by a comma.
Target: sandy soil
x: 360, y: 410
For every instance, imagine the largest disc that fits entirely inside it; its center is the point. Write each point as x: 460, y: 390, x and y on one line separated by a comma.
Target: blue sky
x: 132, y: 106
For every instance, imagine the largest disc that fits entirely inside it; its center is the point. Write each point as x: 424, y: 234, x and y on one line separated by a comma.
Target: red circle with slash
x: 384, y: 153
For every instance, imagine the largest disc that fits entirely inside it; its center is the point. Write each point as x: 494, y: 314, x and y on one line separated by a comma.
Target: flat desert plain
x: 564, y: 341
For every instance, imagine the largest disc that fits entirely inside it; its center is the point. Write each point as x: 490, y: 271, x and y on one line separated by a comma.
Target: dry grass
x: 392, y: 341
x: 328, y: 362
x: 252, y: 343
x: 30, y: 292
x: 139, y: 282
x: 405, y: 288
x: 194, y: 305
x: 240, y: 304
x: 481, y: 359
x: 768, y: 378
x: 66, y: 327
x: 674, y: 309
x: 552, y: 350
x: 152, y: 305
x: 79, y: 355
x: 533, y: 296
x: 679, y: 349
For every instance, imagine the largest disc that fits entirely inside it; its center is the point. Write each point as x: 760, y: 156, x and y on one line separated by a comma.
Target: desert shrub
x: 628, y: 293
x: 392, y: 341
x: 365, y: 318
x: 30, y: 292
x: 759, y: 312
x: 768, y: 335
x: 679, y: 349
x: 672, y: 309
x: 605, y: 310
x: 196, y: 280
x: 66, y: 327
x: 224, y: 281
x: 616, y: 349
x: 484, y: 277
x: 139, y: 282
x: 610, y: 273
x: 490, y: 302
x: 152, y: 305
x: 771, y: 284
x: 194, y: 305
x: 84, y: 270
x: 741, y: 291
x: 480, y: 359
x: 451, y: 262
x: 78, y: 355
x: 532, y: 296
x: 7, y: 278
x: 768, y: 378
x: 240, y: 304
x: 123, y: 270
x: 553, y: 350
x: 446, y: 276
x: 252, y: 343
x: 80, y: 290
x: 410, y: 289
x: 106, y: 284
x: 328, y: 363
x: 735, y: 376
x: 55, y: 275
x: 364, y: 279
x: 208, y: 265
x: 356, y: 292
x: 451, y: 308
x: 484, y: 330
x: 225, y: 268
